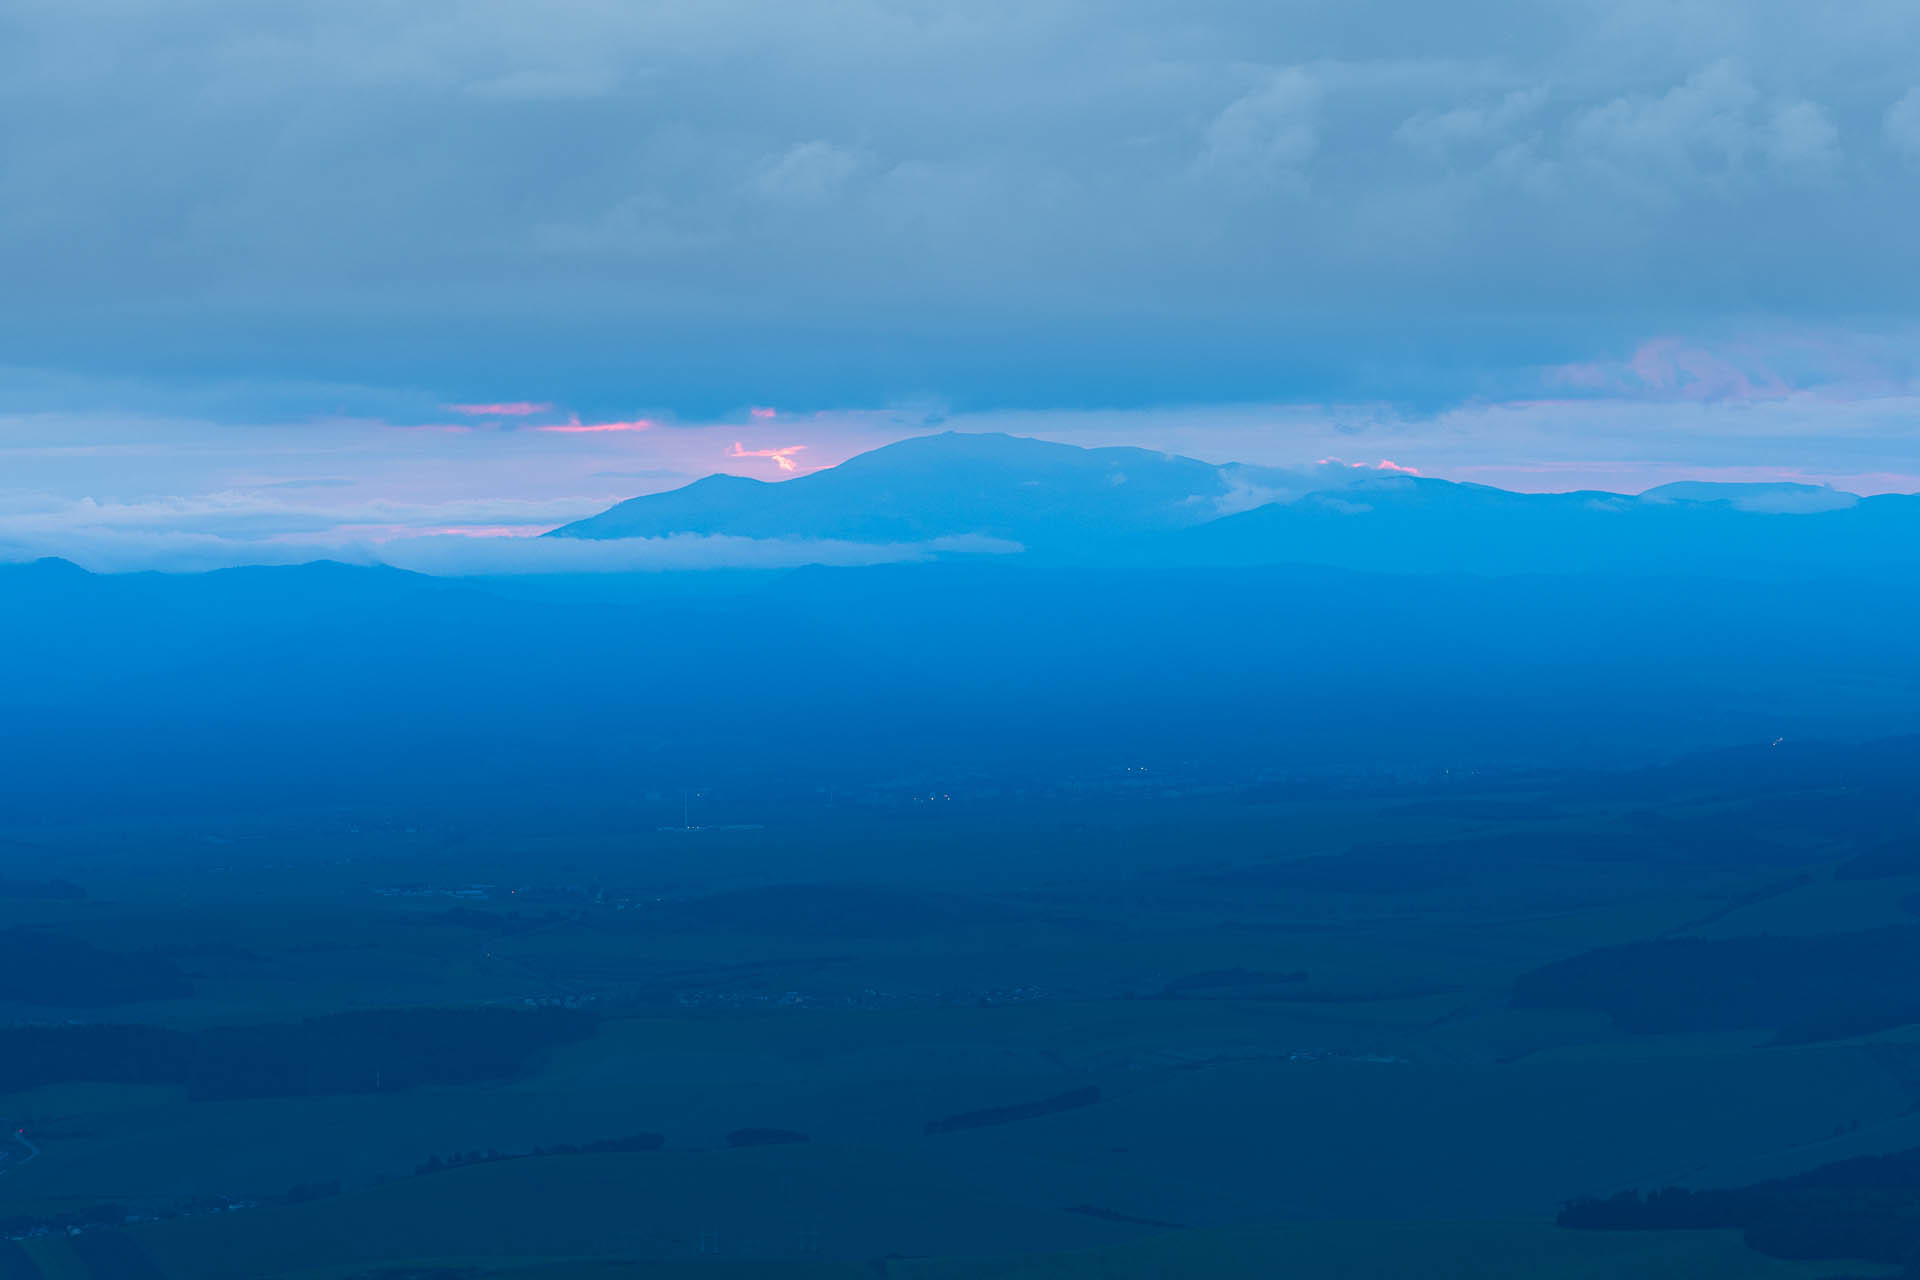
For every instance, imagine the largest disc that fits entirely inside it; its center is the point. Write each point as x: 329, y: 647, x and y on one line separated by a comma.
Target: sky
x: 302, y: 275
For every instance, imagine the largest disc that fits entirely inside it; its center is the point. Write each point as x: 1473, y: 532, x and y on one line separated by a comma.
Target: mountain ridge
x: 932, y: 486
x: 1128, y: 506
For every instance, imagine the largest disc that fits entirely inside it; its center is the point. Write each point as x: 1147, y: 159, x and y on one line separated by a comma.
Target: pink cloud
x: 759, y: 411
x: 782, y: 458
x: 573, y: 425
x: 507, y: 409
x: 1673, y: 369
x: 1385, y: 464
x: 1668, y: 365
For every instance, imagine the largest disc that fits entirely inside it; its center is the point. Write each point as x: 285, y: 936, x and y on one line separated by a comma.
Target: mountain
x: 1132, y: 507
x: 1777, y: 499
x: 1408, y: 524
x: 1045, y: 496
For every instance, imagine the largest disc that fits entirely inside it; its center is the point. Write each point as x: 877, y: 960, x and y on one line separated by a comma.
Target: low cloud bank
x: 454, y: 555
x: 108, y: 550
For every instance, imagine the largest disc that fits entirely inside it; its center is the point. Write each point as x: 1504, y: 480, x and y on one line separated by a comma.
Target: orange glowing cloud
x: 782, y: 458
x: 508, y: 409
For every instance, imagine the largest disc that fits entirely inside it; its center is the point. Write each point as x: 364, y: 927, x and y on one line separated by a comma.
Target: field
x: 1283, y: 1017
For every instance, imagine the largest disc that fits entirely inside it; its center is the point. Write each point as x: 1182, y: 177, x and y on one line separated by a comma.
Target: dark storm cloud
x: 698, y: 206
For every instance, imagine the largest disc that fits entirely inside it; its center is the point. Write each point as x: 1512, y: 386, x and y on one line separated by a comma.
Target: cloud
x: 1902, y: 124
x: 1716, y: 126
x: 1811, y: 367
x: 273, y: 525
x: 1480, y: 125
x: 1699, y: 127
x: 259, y: 515
x: 109, y: 550
x: 547, y: 84
x: 595, y: 428
x: 781, y: 457
x: 461, y: 556
x: 504, y: 409
x: 1802, y: 140
x: 1711, y: 127
x: 1323, y: 229
x: 1269, y: 133
x: 807, y: 172
x: 1051, y: 205
x: 1384, y: 464
x: 317, y: 482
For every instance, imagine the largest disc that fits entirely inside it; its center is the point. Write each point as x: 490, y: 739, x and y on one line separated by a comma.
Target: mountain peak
x: 1039, y: 493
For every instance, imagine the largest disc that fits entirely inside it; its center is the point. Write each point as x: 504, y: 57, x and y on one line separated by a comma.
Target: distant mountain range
x: 1133, y: 507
